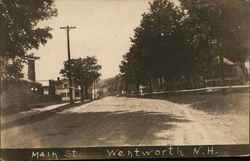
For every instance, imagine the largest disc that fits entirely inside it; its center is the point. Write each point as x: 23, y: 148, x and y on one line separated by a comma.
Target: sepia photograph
x: 103, y: 79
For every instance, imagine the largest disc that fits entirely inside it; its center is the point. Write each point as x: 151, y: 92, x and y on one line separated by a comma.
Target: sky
x: 103, y: 29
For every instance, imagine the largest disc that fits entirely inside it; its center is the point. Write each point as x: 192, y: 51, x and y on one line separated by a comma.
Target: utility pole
x: 222, y: 76
x: 67, y: 28
x: 2, y: 37
x: 93, y: 90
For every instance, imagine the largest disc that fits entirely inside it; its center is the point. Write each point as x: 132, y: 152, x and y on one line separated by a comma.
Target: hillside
x: 110, y: 86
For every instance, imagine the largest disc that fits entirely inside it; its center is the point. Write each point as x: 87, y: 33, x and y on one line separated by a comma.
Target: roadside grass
x: 237, y: 103
x: 16, y: 109
x: 214, y: 103
x: 222, y: 103
x: 39, y: 116
x: 23, y: 108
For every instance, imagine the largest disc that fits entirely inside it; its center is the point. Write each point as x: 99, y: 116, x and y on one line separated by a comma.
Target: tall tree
x: 84, y: 71
x: 159, y: 46
x: 19, y: 32
x: 132, y: 73
x: 180, y: 42
x: 218, y: 28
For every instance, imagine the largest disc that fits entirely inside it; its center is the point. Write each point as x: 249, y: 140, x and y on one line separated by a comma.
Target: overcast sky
x: 103, y: 29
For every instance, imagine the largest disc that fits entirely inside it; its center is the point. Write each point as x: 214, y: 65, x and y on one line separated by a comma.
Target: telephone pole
x: 67, y: 28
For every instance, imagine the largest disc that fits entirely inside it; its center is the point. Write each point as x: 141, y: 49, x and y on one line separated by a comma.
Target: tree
x: 218, y: 28
x: 130, y: 72
x: 84, y: 71
x: 178, y: 43
x: 19, y: 32
x: 159, y: 46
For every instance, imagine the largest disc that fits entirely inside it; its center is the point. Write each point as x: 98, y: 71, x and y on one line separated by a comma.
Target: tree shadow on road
x: 99, y: 128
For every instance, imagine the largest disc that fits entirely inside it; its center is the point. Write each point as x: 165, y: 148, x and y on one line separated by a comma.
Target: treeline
x: 179, y: 42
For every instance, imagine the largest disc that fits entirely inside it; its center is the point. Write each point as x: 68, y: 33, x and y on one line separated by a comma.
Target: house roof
x: 29, y: 81
x: 44, y: 83
x: 225, y: 60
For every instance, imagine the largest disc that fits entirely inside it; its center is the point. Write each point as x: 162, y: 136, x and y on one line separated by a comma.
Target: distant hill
x: 110, y: 86
x: 104, y: 82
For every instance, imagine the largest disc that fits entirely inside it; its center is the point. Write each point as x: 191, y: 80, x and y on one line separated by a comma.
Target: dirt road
x: 121, y: 121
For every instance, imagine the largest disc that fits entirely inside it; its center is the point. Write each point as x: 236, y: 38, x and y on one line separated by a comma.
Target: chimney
x: 51, y: 88
x: 31, y: 70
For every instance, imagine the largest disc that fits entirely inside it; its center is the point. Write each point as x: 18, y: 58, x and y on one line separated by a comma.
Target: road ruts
x: 121, y: 121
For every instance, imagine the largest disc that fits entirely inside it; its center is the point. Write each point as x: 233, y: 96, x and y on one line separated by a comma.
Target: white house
x: 63, y: 90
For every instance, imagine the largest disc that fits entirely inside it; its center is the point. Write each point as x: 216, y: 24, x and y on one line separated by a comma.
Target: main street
x: 121, y: 121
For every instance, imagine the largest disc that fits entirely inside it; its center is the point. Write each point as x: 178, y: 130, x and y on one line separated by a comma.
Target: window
x: 77, y: 94
x: 64, y: 95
